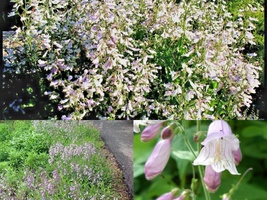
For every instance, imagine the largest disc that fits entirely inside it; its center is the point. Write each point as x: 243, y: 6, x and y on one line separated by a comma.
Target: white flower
x: 220, y: 148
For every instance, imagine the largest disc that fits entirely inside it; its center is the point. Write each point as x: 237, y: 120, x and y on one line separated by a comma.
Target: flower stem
x: 200, y: 169
x: 201, y: 174
x: 235, y: 187
x: 189, y: 146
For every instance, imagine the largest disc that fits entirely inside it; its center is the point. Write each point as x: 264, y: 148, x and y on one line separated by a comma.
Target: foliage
x: 179, y: 171
x: 133, y: 59
x: 53, y: 160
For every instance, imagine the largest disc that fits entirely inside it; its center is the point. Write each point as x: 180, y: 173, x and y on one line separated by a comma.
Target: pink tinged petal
x: 158, y: 159
x: 219, y: 154
x: 166, y: 196
x: 212, y: 179
x: 237, y: 156
x: 219, y: 126
x: 150, y: 132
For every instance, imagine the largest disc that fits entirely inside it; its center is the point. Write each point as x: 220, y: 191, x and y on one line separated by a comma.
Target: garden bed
x: 57, y: 160
x: 178, y: 59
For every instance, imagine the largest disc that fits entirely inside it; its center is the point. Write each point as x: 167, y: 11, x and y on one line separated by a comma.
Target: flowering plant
x: 167, y: 167
x: 134, y: 59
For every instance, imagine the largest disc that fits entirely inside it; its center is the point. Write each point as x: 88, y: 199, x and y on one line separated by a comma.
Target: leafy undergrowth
x: 54, y: 160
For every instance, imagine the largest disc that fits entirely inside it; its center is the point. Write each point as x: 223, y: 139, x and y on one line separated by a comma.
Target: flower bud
x: 158, y: 159
x: 169, y: 195
x: 166, y: 133
x: 151, y: 132
x: 199, y: 136
x: 212, y: 179
x: 166, y: 196
x: 225, y: 197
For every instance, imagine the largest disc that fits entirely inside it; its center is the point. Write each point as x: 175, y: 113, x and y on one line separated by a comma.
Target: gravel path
x: 118, y: 136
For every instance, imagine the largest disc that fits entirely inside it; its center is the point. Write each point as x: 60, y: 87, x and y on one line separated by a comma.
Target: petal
x: 233, y: 140
x: 238, y: 156
x: 219, y: 126
x: 206, y: 155
x: 166, y: 196
x: 158, y: 159
x: 150, y: 132
x: 212, y: 179
x: 212, y: 136
x: 224, y: 158
x: 219, y: 154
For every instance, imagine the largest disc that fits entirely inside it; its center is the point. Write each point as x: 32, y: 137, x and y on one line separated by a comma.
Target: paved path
x: 118, y: 136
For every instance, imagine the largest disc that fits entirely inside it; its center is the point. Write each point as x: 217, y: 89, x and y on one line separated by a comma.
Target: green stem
x: 189, y: 146
x: 235, y: 187
x: 194, y: 180
x: 201, y: 174
x: 200, y: 169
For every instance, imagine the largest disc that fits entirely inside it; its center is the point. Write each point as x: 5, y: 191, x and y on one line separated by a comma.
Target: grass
x: 53, y: 160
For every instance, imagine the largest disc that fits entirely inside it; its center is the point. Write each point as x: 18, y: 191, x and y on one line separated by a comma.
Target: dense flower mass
x: 133, y: 59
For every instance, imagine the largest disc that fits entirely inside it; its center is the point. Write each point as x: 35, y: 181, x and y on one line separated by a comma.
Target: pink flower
x: 166, y: 196
x: 150, y: 132
x: 221, y: 149
x: 158, y: 159
x: 212, y: 179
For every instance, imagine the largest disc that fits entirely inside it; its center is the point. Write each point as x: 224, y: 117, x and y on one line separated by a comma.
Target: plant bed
x: 162, y: 59
x: 57, y: 160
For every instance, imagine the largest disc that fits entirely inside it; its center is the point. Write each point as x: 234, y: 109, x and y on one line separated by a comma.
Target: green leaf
x: 182, y: 166
x: 252, y: 131
x: 142, y: 150
x: 160, y: 186
x: 187, y: 155
x: 138, y: 170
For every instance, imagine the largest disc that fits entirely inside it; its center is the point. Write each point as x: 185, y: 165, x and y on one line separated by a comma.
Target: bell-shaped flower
x: 151, y: 131
x: 212, y: 179
x: 220, y: 148
x: 158, y: 158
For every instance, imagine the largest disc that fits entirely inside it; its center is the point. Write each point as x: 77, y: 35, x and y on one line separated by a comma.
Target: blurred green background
x: 178, y: 172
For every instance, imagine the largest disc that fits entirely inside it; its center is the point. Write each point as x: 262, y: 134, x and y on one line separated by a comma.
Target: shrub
x: 155, y: 59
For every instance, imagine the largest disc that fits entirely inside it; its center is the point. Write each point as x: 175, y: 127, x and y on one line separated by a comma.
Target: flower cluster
x: 129, y: 59
x: 68, y: 152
